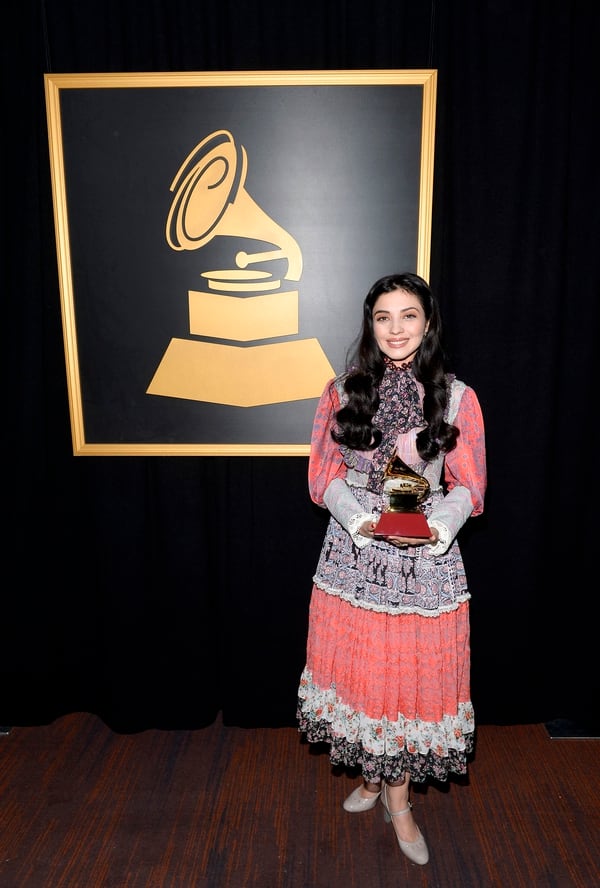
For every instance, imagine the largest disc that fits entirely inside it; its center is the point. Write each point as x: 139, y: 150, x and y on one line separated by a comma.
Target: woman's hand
x: 366, y: 529
x: 405, y: 542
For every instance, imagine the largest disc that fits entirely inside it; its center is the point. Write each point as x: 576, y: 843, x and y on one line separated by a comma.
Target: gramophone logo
x: 240, y: 304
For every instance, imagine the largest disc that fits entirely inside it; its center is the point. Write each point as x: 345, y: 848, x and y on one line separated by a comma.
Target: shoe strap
x: 404, y: 811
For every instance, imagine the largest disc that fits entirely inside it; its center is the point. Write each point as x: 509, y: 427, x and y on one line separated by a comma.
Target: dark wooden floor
x: 226, y: 807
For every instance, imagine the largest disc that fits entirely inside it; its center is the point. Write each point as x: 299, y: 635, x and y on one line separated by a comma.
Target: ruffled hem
x: 382, y: 748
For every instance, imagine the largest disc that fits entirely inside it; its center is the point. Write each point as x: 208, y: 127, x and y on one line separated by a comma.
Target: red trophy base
x: 402, y: 524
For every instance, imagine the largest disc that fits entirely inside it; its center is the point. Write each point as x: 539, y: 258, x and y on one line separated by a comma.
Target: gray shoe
x: 356, y: 802
x: 415, y: 851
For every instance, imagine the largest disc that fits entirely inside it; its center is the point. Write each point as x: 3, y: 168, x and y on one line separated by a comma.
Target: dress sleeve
x: 464, y: 473
x: 465, y: 466
x: 325, y: 462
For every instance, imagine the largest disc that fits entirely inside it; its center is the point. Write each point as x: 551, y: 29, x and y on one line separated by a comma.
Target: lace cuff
x: 444, y: 538
x: 355, y: 522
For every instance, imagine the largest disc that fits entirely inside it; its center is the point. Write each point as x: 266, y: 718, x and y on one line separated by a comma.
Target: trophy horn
x: 210, y: 200
x: 406, y: 488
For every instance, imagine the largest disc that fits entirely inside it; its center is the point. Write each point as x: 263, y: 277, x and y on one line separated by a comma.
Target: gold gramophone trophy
x: 406, y: 491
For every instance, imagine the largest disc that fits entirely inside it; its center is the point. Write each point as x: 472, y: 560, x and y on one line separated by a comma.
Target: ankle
x: 397, y: 795
x: 372, y: 788
x: 404, y: 780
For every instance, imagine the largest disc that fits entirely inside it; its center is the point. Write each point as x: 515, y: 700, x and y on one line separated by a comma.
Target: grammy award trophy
x: 406, y: 490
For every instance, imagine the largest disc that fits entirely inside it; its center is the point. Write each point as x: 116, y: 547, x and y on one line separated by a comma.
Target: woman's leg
x: 397, y: 801
x: 370, y: 788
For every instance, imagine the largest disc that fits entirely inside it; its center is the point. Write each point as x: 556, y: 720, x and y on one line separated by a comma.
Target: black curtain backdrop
x: 132, y: 589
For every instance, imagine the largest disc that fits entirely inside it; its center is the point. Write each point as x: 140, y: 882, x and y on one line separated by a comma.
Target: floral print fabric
x: 386, y: 682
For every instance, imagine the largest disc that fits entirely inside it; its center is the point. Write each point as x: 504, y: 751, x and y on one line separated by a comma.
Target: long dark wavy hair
x: 354, y: 422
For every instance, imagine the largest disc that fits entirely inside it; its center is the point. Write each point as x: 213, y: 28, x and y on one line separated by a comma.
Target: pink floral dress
x: 386, y: 682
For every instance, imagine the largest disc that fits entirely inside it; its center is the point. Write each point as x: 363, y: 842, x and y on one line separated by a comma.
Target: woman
x: 386, y: 681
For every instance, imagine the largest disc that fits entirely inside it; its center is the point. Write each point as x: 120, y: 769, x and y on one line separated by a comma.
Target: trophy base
x: 402, y: 524
x: 242, y: 376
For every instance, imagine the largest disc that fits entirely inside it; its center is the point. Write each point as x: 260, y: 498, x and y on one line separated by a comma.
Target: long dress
x: 387, y: 677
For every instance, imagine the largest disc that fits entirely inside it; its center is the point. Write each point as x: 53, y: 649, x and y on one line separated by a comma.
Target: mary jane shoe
x: 356, y: 802
x: 416, y: 851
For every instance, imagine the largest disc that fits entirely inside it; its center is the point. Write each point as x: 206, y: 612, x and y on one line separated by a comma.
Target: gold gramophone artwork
x: 405, y: 490
x: 240, y: 304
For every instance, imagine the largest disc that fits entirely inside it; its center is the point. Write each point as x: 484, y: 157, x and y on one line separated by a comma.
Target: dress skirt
x: 387, y: 677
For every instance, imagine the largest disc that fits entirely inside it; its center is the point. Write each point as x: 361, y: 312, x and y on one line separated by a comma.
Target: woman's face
x: 399, y: 324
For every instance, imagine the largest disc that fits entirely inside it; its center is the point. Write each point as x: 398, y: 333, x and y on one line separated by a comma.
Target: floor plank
x: 227, y: 807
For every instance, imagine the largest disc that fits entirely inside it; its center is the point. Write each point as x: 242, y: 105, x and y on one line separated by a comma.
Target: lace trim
x: 355, y: 522
x: 382, y: 737
x: 349, y: 598
x: 444, y: 538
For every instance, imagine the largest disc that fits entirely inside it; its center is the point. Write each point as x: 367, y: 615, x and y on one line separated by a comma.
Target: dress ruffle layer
x: 388, y: 694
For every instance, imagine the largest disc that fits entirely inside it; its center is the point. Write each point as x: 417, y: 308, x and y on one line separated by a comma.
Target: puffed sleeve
x: 325, y: 462
x: 327, y: 471
x: 465, y: 466
x: 465, y: 474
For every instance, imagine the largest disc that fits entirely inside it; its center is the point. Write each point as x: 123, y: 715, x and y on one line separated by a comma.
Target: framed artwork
x: 216, y: 236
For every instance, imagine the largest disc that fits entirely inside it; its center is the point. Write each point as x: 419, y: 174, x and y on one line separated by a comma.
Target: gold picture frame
x: 216, y: 234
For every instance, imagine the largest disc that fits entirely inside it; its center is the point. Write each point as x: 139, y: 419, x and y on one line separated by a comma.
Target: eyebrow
x: 387, y: 310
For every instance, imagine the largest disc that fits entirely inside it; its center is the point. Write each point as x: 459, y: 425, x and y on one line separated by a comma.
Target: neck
x: 398, y: 364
